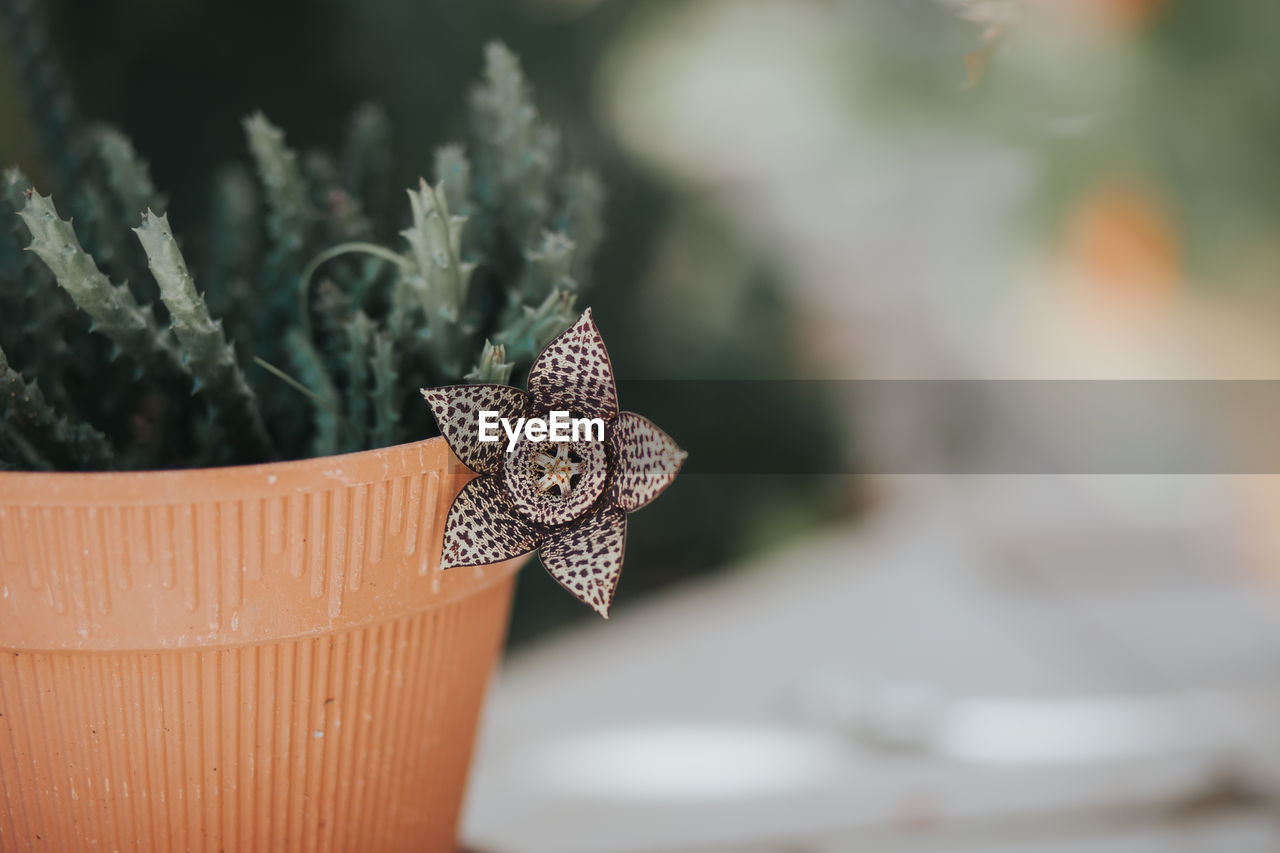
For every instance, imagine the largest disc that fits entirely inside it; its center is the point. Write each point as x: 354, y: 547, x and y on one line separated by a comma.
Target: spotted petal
x: 587, y: 558
x: 574, y: 373
x: 457, y: 411
x: 646, y: 460
x: 482, y: 528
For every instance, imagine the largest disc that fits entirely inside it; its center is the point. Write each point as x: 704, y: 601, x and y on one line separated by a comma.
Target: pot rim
x: 239, y: 555
x: 151, y: 486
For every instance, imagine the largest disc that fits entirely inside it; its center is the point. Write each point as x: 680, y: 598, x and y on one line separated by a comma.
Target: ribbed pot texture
x: 258, y: 658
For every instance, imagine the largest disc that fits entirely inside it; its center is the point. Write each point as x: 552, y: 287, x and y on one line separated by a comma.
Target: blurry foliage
x: 178, y: 78
x: 1177, y: 96
x: 1200, y: 123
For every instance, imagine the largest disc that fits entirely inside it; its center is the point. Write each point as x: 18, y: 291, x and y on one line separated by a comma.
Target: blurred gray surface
x: 987, y: 664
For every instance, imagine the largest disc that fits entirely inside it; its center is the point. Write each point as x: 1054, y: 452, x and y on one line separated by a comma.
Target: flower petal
x: 646, y: 460
x: 482, y: 528
x: 574, y: 373
x: 587, y: 557
x: 457, y: 412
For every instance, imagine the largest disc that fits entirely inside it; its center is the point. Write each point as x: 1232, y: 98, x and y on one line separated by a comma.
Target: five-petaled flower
x: 568, y: 499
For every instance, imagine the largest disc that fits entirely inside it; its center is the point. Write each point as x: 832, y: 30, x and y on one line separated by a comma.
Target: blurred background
x: 897, y: 634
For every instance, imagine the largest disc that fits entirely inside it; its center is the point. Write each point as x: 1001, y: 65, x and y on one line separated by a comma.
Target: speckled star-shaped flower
x: 568, y: 499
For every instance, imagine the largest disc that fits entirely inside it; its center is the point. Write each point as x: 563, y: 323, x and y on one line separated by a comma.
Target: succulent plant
x: 296, y: 325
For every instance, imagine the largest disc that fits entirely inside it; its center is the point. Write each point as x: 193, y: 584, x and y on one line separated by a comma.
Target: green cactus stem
x: 548, y: 267
x: 291, y: 228
x: 291, y: 220
x: 492, y: 366
x: 314, y: 375
x: 532, y: 328
x: 387, y: 399
x: 234, y: 237
x: 582, y: 220
x: 359, y: 332
x: 312, y: 267
x: 435, y: 243
x: 114, y: 310
x: 366, y: 163
x: 51, y: 436
x: 127, y: 174
x: 292, y: 216
x: 517, y: 155
x: 453, y: 173
x: 210, y: 358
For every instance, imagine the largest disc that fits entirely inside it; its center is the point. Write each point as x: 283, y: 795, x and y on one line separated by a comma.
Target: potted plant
x: 223, y: 616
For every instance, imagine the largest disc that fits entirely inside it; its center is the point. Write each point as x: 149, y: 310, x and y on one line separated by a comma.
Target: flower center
x: 553, y: 483
x: 559, y: 470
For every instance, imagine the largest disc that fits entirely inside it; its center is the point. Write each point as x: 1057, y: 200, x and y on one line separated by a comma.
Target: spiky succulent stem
x: 234, y: 240
x: 517, y: 155
x: 114, y: 310
x: 453, y: 173
x: 13, y: 188
x: 211, y: 359
x: 314, y: 265
x: 127, y: 174
x: 581, y: 220
x: 97, y: 224
x: 532, y: 328
x: 366, y: 163
x: 548, y: 267
x: 33, y: 311
x: 315, y: 376
x: 492, y: 366
x: 51, y: 435
x: 359, y: 332
x: 435, y: 243
x: 292, y: 216
x: 386, y: 391
x: 341, y: 213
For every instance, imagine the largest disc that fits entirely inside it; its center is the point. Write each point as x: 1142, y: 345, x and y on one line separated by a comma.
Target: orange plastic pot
x: 260, y: 658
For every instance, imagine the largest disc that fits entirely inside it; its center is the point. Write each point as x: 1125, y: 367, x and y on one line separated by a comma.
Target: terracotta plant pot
x: 256, y: 658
